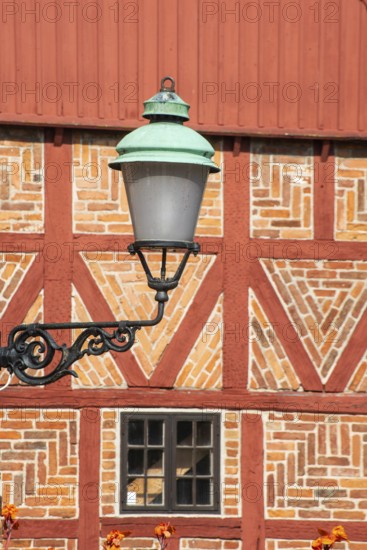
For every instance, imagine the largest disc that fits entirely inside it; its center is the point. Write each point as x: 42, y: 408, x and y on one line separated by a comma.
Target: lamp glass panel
x: 164, y: 199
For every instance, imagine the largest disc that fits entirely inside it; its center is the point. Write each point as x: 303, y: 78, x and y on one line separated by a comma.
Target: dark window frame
x: 169, y: 464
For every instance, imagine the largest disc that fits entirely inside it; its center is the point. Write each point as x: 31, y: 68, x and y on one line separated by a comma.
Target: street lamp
x: 165, y: 166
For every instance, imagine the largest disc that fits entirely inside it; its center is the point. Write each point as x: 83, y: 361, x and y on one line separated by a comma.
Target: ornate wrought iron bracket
x: 31, y: 347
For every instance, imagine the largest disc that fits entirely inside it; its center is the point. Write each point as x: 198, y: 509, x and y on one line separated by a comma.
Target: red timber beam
x: 252, y: 482
x: 236, y: 237
x: 250, y: 251
x: 89, y: 479
x: 46, y: 529
x: 324, y: 190
x: 58, y: 235
x: 186, y: 527
x: 215, y: 400
x: 306, y: 530
x: 293, y: 249
x: 119, y: 243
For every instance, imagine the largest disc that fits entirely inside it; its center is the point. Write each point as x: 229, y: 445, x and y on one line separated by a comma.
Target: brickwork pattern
x: 270, y: 368
x: 324, y: 301
x: 124, y: 286
x: 203, y: 367
x: 350, y: 192
x: 43, y: 544
x: 212, y: 544
x: 303, y: 544
x: 358, y: 381
x: 230, y: 462
x: 316, y: 466
x: 281, y: 178
x: 39, y: 461
x: 13, y: 268
x: 22, y: 173
x: 100, y: 202
x: 134, y: 543
x: 93, y: 372
x: 110, y: 476
x: 210, y: 223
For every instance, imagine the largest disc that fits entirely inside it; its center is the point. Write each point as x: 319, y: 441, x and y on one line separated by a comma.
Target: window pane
x: 155, y: 432
x: 136, y: 432
x: 155, y: 462
x: 204, y: 433
x: 184, y: 433
x: 155, y: 491
x: 203, y: 462
x: 135, y: 492
x: 183, y: 462
x: 204, y: 491
x: 184, y: 491
x: 151, y: 481
x: 135, y: 461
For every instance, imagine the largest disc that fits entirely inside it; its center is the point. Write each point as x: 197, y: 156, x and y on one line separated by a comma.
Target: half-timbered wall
x: 267, y: 329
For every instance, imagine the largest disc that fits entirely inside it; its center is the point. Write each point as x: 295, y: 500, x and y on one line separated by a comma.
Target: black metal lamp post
x: 165, y: 167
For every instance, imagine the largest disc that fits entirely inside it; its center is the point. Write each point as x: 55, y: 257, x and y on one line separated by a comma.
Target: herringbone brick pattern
x: 350, y: 192
x: 93, y: 372
x: 315, y: 466
x: 39, y: 461
x: 270, y: 368
x: 124, y: 286
x: 100, y: 200
x: 324, y: 301
x: 203, y: 367
x: 22, y: 173
x: 281, y: 177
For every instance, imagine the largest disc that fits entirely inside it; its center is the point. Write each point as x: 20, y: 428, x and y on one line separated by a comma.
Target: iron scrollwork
x: 32, y: 347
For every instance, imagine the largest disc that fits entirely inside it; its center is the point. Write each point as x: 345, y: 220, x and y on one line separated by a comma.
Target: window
x: 170, y: 463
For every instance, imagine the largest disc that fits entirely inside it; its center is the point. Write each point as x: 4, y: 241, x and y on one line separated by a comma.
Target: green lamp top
x: 166, y: 103
x: 165, y: 139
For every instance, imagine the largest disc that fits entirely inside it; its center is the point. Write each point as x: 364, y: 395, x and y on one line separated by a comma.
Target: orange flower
x: 328, y: 540
x: 114, y: 538
x: 317, y: 544
x: 339, y: 533
x: 164, y: 530
x: 9, y: 511
x: 9, y: 522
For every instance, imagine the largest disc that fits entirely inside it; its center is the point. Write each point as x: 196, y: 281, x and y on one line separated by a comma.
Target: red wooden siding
x: 274, y: 68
